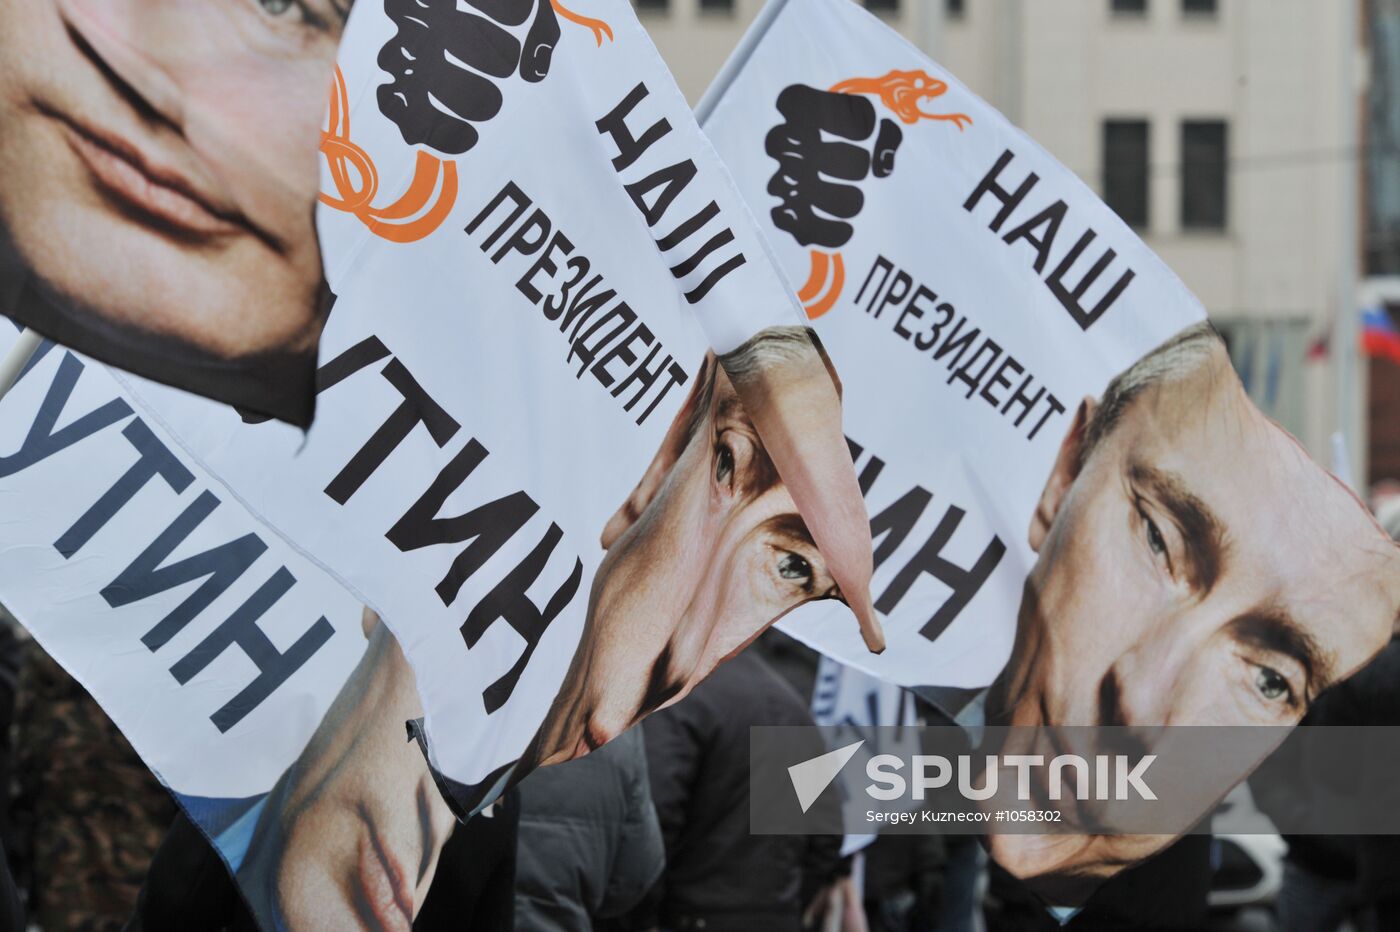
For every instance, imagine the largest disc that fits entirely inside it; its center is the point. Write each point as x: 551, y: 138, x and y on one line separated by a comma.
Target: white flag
x: 1079, y: 516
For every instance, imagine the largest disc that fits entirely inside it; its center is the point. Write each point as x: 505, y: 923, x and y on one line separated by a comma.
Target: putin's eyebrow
x: 760, y: 474
x: 1276, y: 631
x: 1202, y: 533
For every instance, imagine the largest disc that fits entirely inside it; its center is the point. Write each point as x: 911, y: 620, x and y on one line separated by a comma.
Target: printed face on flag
x: 706, y: 552
x: 350, y: 835
x: 1016, y: 360
x: 158, y: 176
x: 1171, y: 588
x: 573, y: 441
x: 255, y: 687
x: 590, y: 464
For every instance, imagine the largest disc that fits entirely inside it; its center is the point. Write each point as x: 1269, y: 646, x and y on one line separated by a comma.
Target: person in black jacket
x: 718, y: 876
x: 589, y: 846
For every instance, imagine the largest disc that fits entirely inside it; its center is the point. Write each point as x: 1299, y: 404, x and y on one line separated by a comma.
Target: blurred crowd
x: 649, y: 833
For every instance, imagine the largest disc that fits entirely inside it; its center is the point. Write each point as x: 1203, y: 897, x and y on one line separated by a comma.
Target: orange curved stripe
x: 838, y: 281
x: 420, y: 190
x: 417, y: 229
x: 356, y: 181
x: 338, y: 153
x: 815, y: 278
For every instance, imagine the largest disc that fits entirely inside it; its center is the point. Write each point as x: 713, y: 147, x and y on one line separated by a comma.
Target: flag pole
x: 15, y: 360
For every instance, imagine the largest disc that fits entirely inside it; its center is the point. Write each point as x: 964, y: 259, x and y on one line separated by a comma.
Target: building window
x: 1200, y: 7
x: 882, y: 6
x: 653, y: 6
x: 1128, y: 7
x: 955, y: 9
x: 1125, y: 170
x: 716, y: 6
x: 1204, y: 157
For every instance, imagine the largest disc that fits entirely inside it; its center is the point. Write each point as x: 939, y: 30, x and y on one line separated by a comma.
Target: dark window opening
x: 1125, y: 173
x: 1204, y: 158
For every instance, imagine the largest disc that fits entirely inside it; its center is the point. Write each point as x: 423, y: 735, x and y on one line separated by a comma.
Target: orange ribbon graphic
x: 901, y: 92
x: 415, y: 214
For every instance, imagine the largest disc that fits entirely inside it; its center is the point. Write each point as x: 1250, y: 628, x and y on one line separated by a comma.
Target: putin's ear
x: 672, y: 446
x: 1065, y: 471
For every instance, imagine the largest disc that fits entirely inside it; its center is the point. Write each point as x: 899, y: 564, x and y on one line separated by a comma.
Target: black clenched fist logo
x: 816, y: 177
x: 433, y: 98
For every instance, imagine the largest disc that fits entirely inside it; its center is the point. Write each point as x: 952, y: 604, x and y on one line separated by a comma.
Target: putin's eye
x: 275, y: 7
x: 1155, y: 540
x: 795, y: 567
x: 724, y: 464
x: 1272, y: 685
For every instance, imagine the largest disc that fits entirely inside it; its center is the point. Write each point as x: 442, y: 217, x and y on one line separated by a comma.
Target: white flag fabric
x: 556, y: 447
x: 971, y: 291
x: 1079, y: 516
x: 108, y: 529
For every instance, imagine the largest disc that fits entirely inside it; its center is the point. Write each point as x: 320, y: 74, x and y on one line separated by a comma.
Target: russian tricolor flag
x: 1379, y: 335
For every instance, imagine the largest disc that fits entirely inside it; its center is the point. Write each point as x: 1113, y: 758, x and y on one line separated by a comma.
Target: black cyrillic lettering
x: 241, y: 629
x: 720, y: 271
x: 675, y: 376
x: 145, y: 576
x: 897, y: 520
x: 686, y: 266
x: 487, y: 526
x: 1072, y: 299
x: 912, y: 309
x: 153, y: 459
x: 509, y: 602
x: 880, y: 263
x: 522, y: 203
x: 1051, y: 216
x: 580, y: 347
x: 962, y: 372
x: 630, y: 148
x: 582, y: 307
x: 999, y: 378
x: 1053, y: 407
x: 688, y: 228
x: 946, y: 310
x: 1009, y: 199
x: 580, y: 266
x: 901, y: 284
x: 544, y: 263
x: 670, y: 181
x: 964, y: 583
x: 643, y: 375
x: 42, y: 441
x: 623, y: 351
x: 520, y: 241
x: 956, y: 342
x: 1027, y: 402
x: 417, y: 407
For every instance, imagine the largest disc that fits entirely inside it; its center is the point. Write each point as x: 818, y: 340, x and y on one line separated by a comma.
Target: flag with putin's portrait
x: 574, y: 444
x: 158, y: 182
x: 1072, y: 500
x: 563, y: 393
